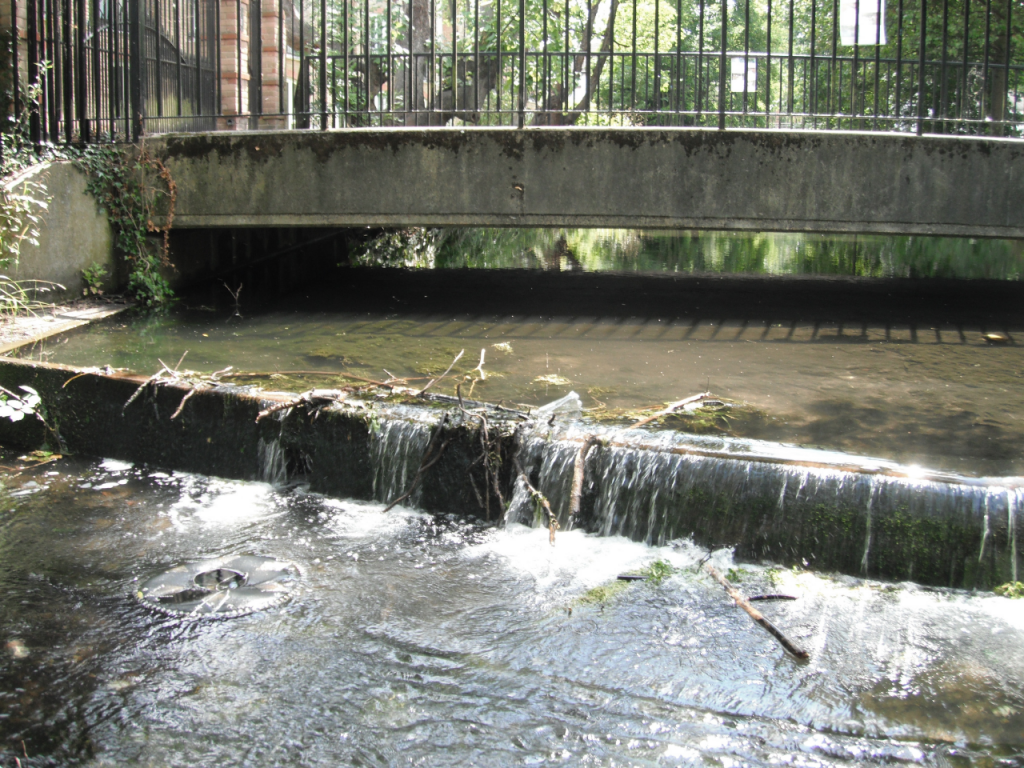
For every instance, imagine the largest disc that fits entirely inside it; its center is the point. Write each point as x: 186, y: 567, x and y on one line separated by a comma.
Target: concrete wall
x: 668, y: 178
x: 73, y: 233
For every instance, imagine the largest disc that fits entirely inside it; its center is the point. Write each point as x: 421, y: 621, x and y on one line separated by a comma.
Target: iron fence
x: 93, y: 70
x: 118, y: 67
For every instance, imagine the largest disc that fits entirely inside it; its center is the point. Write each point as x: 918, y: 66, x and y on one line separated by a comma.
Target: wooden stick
x: 343, y: 374
x: 543, y: 501
x: 577, y: 477
x: 670, y: 408
x: 434, y: 381
x: 743, y: 603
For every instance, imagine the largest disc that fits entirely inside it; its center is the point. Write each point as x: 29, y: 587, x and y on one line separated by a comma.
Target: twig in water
x: 577, y: 477
x: 743, y: 603
x: 490, y: 473
x: 429, y: 459
x: 670, y: 408
x: 234, y: 297
x: 432, y: 382
x: 771, y: 597
x: 341, y: 374
x: 541, y: 499
x: 184, y: 400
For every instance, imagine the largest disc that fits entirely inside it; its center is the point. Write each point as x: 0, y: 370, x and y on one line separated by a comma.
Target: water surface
x: 431, y: 640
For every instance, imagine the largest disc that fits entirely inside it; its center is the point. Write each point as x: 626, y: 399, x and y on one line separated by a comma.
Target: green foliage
x: 658, y: 571
x: 411, y: 247
x: 1013, y: 589
x: 118, y: 181
x: 602, y: 594
x: 16, y: 407
x: 93, y: 277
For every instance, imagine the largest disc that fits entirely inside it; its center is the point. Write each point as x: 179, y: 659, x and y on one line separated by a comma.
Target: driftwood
x: 770, y: 597
x: 430, y: 458
x: 672, y: 407
x: 313, y: 397
x: 541, y: 499
x: 338, y: 374
x: 577, y: 476
x: 432, y: 382
x: 167, y: 375
x: 490, y: 471
x: 754, y: 614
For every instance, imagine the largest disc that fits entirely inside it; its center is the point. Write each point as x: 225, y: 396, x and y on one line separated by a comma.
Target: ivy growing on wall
x: 132, y: 186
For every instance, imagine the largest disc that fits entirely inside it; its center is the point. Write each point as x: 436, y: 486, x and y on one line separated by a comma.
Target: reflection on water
x: 762, y: 253
x: 433, y: 641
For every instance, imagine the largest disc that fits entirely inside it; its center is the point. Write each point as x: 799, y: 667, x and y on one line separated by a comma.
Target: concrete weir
x: 792, y: 506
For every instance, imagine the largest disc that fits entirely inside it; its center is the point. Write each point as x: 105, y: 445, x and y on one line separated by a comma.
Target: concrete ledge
x: 575, y: 177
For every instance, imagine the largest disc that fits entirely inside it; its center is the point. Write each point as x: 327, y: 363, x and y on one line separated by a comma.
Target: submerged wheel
x: 222, y: 587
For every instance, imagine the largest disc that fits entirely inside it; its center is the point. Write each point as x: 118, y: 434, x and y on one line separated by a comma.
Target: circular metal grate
x: 222, y: 587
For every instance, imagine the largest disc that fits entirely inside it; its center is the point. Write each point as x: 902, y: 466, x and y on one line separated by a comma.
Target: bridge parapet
x: 573, y: 177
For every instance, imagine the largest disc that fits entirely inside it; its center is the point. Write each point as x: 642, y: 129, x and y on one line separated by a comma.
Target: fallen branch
x: 429, y: 459
x: 577, y: 477
x: 670, y: 408
x: 771, y: 597
x: 743, y: 603
x: 541, y: 499
x: 340, y: 374
x: 314, y: 397
x: 434, y: 381
x: 490, y: 474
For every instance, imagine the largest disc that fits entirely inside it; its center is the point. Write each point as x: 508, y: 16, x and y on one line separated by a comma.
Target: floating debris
x: 553, y: 379
x: 223, y: 587
x: 17, y: 648
x: 996, y: 337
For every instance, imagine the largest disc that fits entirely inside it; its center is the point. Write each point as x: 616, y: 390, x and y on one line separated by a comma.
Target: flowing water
x: 414, y: 639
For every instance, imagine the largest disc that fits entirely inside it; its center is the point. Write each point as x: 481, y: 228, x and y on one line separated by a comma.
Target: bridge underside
x: 572, y: 177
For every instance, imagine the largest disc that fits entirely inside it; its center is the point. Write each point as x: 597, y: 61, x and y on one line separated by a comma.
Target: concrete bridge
x: 584, y: 177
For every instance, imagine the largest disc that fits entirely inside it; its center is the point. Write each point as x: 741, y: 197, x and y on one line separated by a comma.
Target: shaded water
x: 431, y: 640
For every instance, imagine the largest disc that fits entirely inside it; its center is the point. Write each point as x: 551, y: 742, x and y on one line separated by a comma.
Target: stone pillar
x: 271, y: 64
x: 234, y: 65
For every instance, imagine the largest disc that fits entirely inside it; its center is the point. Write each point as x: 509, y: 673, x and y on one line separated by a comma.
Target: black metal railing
x: 94, y: 70
x: 922, y: 66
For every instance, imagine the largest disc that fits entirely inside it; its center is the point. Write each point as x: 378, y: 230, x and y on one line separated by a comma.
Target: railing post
x: 135, y: 66
x: 522, y: 63
x: 721, y: 65
x: 920, y: 68
x: 82, y: 89
x: 34, y: 127
x: 67, y: 84
x: 323, y: 63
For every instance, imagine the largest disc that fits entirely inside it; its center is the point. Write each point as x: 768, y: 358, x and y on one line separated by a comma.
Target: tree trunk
x: 552, y: 114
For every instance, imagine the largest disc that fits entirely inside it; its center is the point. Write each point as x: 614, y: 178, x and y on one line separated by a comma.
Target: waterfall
x: 780, y: 503
x: 273, y: 466
x: 396, y: 449
x: 1013, y: 504
x: 864, y: 561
